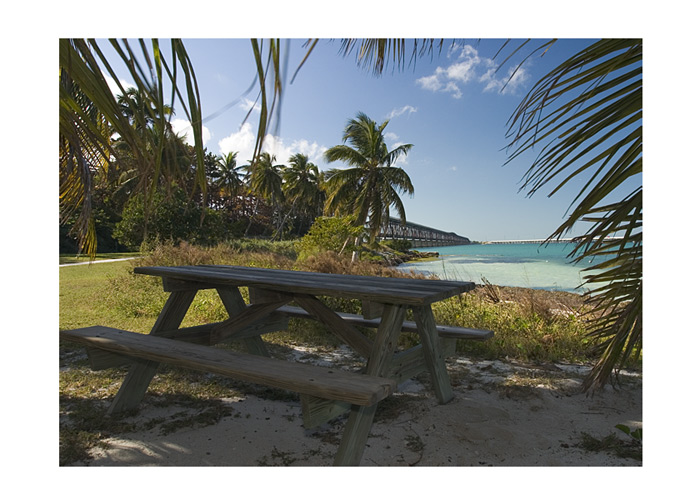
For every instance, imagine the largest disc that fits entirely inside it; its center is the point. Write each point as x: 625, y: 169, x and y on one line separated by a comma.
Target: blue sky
x: 452, y: 107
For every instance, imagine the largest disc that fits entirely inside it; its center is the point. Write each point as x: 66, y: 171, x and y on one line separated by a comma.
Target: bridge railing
x: 420, y: 236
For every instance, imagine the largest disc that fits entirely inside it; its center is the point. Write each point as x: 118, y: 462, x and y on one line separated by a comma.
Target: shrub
x: 334, y: 234
x: 398, y: 245
x: 172, y: 218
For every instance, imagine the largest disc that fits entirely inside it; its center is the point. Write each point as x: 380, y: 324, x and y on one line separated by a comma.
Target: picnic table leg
x: 234, y: 304
x: 355, y: 435
x: 434, y: 357
x: 142, y: 372
x: 359, y: 423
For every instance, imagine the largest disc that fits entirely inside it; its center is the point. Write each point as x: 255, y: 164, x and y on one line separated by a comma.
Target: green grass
x: 88, y: 296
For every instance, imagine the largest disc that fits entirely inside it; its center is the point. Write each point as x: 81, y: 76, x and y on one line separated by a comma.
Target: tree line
x: 158, y: 195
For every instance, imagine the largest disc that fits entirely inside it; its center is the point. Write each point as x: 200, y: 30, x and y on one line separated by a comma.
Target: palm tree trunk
x: 250, y: 219
x: 284, y: 220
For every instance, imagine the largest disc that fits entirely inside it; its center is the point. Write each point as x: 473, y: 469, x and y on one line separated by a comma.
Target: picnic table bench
x: 325, y: 393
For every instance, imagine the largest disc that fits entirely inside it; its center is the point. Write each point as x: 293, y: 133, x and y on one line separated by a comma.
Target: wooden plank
x: 201, y: 334
x: 317, y: 411
x: 371, y: 310
x: 432, y: 350
x: 384, y: 290
x: 324, y: 278
x: 234, y: 304
x: 252, y: 313
x: 407, y: 364
x: 346, y: 332
x: 258, y: 295
x: 385, y: 342
x: 102, y: 360
x: 173, y: 311
x: 177, y: 285
x: 142, y: 372
x: 354, y: 440
x: 318, y: 381
x: 444, y: 331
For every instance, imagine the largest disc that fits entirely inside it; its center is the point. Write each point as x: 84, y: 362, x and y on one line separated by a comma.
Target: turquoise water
x: 529, y: 265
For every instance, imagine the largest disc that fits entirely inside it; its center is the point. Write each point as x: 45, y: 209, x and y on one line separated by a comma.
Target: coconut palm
x: 302, y: 187
x: 373, y: 184
x: 265, y: 182
x: 228, y: 176
x: 84, y: 139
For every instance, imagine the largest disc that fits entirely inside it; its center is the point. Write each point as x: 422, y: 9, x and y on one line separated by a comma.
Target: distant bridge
x: 558, y: 240
x: 420, y: 236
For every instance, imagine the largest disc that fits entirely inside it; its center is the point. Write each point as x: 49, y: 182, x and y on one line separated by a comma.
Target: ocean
x: 529, y: 265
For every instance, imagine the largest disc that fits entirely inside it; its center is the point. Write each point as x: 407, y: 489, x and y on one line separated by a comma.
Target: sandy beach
x: 503, y: 414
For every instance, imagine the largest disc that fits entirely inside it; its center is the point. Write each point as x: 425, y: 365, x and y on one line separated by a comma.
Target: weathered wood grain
x: 316, y: 411
x: 432, y: 350
x: 316, y: 381
x: 252, y: 313
x: 377, y: 289
x: 444, y: 331
x: 343, y: 330
x: 142, y: 372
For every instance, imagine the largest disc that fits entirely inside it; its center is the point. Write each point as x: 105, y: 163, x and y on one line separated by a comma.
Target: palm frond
x: 585, y: 117
x: 377, y: 53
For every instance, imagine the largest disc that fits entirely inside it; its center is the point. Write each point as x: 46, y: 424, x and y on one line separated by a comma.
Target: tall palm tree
x: 228, y: 176
x: 265, y: 182
x: 373, y: 184
x: 302, y: 186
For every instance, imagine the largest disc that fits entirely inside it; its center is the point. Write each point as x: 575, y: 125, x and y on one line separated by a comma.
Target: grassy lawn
x: 87, y: 297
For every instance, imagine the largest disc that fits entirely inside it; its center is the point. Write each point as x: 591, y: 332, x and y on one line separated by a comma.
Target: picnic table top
x: 407, y: 291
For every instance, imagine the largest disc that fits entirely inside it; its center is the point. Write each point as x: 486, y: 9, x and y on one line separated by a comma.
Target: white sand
x: 502, y: 414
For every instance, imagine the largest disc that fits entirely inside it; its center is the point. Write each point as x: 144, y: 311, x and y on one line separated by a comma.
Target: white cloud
x: 465, y: 69
x: 495, y: 84
x: 469, y: 67
x: 243, y: 141
x: 400, y: 111
x: 431, y: 82
x: 181, y: 127
x: 111, y: 82
x: 246, y: 105
x: 391, y: 137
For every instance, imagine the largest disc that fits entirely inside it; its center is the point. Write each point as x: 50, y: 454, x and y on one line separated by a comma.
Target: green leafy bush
x: 399, y: 245
x: 172, y: 218
x: 334, y: 234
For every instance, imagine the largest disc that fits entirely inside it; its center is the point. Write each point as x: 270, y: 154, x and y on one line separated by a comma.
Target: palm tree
x: 372, y: 185
x: 137, y: 105
x: 84, y: 150
x: 228, y: 176
x: 265, y: 182
x: 302, y: 187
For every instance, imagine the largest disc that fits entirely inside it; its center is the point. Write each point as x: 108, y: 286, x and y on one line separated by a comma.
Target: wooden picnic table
x: 385, y: 304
